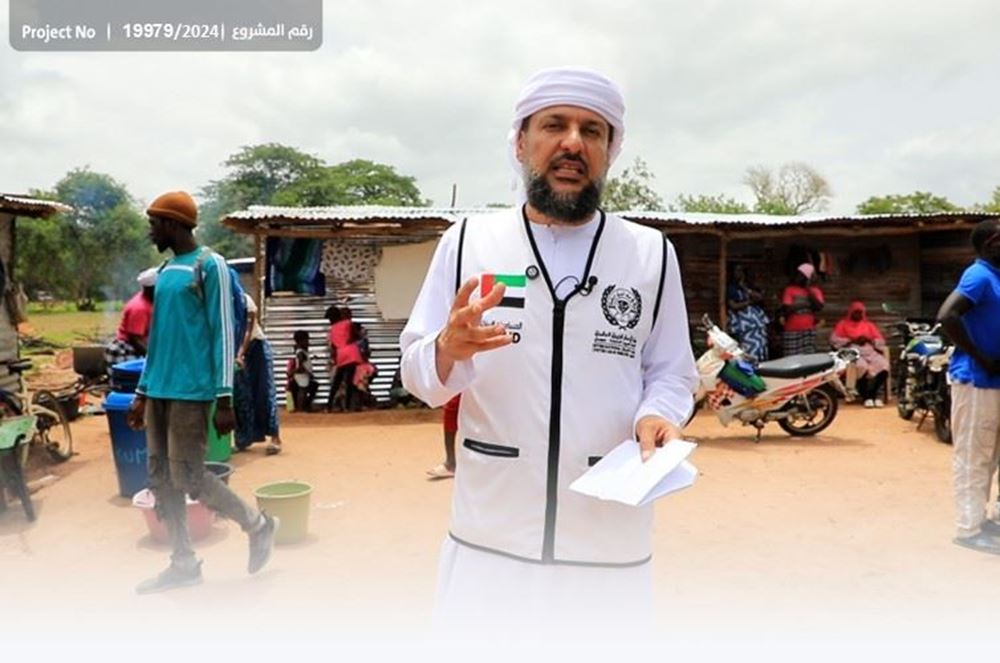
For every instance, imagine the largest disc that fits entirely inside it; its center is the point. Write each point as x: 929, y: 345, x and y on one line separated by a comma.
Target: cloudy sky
x: 880, y: 97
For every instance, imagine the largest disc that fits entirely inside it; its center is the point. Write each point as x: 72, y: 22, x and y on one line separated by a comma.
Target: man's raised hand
x: 464, y: 335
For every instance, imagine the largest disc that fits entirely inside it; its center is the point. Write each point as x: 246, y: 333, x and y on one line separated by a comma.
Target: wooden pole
x: 723, y: 259
x: 258, y: 274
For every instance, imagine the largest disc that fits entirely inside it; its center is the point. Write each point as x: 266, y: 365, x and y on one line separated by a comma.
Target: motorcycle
x: 922, y: 376
x: 798, y: 392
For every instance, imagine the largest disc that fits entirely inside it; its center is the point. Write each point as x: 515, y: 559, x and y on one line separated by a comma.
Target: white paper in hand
x: 621, y: 475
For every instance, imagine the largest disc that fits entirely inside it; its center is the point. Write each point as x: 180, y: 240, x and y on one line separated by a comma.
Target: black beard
x: 569, y: 207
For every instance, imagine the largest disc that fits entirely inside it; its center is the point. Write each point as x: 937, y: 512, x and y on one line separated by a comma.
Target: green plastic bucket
x: 220, y: 447
x: 289, y: 501
x: 16, y: 431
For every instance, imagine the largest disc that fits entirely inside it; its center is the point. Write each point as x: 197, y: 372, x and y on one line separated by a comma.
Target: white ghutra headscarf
x: 567, y: 86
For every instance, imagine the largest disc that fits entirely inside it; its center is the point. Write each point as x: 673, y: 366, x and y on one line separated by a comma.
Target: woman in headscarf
x: 133, y: 331
x: 747, y: 320
x: 857, y: 331
x: 800, y: 303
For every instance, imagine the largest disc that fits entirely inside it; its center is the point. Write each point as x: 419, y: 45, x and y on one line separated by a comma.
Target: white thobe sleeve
x: 430, y: 314
x: 669, y: 374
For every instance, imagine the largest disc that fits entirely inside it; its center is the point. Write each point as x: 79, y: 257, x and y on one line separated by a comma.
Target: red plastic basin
x: 199, y: 517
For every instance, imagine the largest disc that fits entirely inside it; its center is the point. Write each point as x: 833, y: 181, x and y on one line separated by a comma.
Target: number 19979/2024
x: 174, y: 31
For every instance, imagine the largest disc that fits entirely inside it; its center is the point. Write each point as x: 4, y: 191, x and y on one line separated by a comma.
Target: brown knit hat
x: 176, y: 205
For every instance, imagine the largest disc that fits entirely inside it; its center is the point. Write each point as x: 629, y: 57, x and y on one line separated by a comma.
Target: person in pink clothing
x: 800, y: 302
x: 133, y: 331
x: 345, y: 356
x: 363, y: 376
x: 857, y: 331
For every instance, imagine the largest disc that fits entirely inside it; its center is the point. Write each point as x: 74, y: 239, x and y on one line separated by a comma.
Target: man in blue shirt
x: 971, y: 317
x: 189, y: 365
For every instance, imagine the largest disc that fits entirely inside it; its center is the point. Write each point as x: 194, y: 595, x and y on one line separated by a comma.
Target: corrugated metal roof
x: 403, y: 220
x: 353, y: 213
x: 362, y: 223
x: 723, y: 220
x: 27, y: 206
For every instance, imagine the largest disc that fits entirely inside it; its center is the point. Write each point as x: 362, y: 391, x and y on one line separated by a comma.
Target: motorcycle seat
x: 796, y: 366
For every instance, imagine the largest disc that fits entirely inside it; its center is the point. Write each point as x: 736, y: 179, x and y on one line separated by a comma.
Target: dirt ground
x: 846, y: 535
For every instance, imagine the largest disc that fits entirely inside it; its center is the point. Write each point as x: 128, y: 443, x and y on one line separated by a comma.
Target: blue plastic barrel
x: 125, y: 375
x: 127, y: 446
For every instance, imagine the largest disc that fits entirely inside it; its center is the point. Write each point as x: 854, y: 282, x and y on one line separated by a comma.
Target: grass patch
x: 68, y: 328
x: 50, y: 308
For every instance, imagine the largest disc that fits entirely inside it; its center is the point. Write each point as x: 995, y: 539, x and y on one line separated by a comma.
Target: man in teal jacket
x: 189, y: 366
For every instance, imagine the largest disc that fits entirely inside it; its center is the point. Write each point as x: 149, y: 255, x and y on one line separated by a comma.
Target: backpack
x: 239, y: 309
x: 239, y: 300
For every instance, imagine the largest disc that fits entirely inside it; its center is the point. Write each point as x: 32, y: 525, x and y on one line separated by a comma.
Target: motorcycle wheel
x: 904, y: 408
x: 942, y: 423
x: 824, y: 409
x: 905, y: 413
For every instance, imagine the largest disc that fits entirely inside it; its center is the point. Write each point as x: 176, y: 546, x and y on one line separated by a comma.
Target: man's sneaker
x: 982, y: 542
x: 171, y: 578
x: 869, y: 403
x: 879, y: 402
x: 262, y: 543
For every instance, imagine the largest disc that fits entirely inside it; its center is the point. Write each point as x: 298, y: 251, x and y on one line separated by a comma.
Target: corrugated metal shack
x: 908, y: 261
x: 11, y: 208
x: 405, y: 238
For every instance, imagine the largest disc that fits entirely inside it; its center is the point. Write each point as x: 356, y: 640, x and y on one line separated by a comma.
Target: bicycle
x: 52, y: 431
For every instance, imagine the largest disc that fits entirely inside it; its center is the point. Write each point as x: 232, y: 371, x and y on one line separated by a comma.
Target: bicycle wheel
x: 53, y: 431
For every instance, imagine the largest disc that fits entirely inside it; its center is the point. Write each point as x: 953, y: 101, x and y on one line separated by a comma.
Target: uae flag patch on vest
x: 516, y: 284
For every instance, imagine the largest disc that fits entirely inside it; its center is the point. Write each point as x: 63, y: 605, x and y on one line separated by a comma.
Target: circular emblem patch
x: 622, y: 306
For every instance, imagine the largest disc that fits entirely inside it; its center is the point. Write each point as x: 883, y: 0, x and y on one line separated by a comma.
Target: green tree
x: 719, y: 204
x: 255, y: 174
x: 90, y: 194
x: 260, y: 171
x: 356, y: 182
x: 992, y: 205
x: 918, y: 202
x: 795, y: 188
x: 274, y: 174
x: 122, y: 238
x: 632, y: 190
x: 42, y: 261
x: 91, y: 253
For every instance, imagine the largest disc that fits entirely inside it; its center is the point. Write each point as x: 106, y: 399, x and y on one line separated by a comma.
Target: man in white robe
x: 565, y: 330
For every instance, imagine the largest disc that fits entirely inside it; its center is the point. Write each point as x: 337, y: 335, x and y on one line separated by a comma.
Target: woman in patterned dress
x: 747, y: 320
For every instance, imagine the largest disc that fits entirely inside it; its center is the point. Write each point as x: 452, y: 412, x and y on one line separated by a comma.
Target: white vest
x: 543, y: 409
